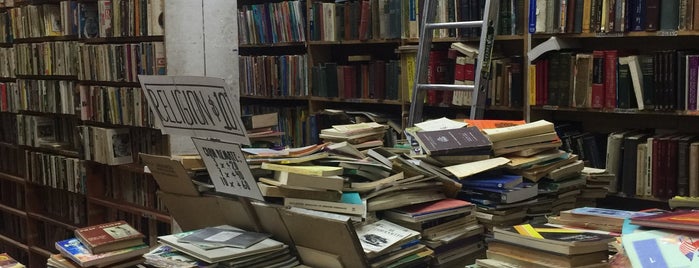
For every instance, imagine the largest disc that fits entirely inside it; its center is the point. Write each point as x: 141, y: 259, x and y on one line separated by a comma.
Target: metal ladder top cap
x: 447, y: 87
x: 454, y: 25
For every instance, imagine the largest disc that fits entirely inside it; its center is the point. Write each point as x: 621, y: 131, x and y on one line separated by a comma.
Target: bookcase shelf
x: 38, y: 113
x: 38, y: 250
x: 16, y: 212
x: 276, y: 98
x: 373, y: 101
x: 13, y: 178
x: 66, y: 153
x: 131, y: 208
x: 8, y: 145
x: 109, y: 83
x: 273, y: 45
x: 633, y: 112
x: 133, y: 167
x: 46, y: 39
x: 17, y: 244
x: 7, y: 79
x: 47, y: 77
x: 40, y: 217
x: 632, y: 34
x: 123, y: 39
x: 355, y: 42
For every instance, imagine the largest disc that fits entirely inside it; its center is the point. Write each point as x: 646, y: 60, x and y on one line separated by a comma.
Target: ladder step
x: 453, y: 25
x: 446, y: 87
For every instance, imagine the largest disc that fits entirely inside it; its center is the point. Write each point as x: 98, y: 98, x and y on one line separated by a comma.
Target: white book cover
x: 382, y: 234
x: 118, y: 150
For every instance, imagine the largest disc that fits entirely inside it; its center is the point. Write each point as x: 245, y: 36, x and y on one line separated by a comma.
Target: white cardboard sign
x: 194, y: 106
x: 228, y: 169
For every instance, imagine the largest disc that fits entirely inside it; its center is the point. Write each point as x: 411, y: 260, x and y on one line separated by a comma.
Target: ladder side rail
x: 485, y: 53
x: 423, y: 52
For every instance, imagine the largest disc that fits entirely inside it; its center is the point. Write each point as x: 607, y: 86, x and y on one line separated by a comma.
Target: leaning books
x: 73, y: 249
x: 108, y: 237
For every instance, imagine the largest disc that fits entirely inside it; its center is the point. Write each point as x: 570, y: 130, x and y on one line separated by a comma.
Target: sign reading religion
x: 194, y: 106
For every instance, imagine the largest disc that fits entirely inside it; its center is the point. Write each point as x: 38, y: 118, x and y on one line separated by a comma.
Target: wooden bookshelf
x: 14, y: 211
x: 133, y: 209
x: 47, y: 77
x: 110, y: 83
x: 43, y: 218
x: 5, y: 239
x: 13, y: 178
x: 46, y: 39
x: 123, y: 39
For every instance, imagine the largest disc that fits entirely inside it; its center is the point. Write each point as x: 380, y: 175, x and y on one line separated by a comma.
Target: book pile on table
x: 448, y: 226
x: 220, y: 246
x: 597, y: 184
x: 114, y: 244
x: 361, y: 135
x: 387, y: 244
x: 530, y: 245
x: 6, y: 261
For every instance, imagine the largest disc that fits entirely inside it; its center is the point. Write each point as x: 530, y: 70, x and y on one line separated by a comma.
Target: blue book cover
x: 609, y: 213
x: 659, y: 248
x: 76, y: 251
x: 497, y: 182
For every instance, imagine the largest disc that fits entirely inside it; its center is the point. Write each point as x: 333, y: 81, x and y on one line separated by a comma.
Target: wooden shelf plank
x: 41, y: 251
x: 358, y: 100
x: 148, y: 213
x: 275, y: 98
x: 66, y: 153
x: 8, y: 145
x: 13, y: 242
x: 53, y: 221
x: 615, y: 111
x: 13, y: 178
x: 123, y: 39
x: 290, y: 44
x: 14, y: 211
x: 47, y: 77
x: 355, y: 42
x: 620, y: 35
x: 46, y: 39
x: 110, y: 83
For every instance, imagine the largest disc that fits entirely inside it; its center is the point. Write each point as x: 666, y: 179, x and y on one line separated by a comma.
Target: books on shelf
x: 109, y: 236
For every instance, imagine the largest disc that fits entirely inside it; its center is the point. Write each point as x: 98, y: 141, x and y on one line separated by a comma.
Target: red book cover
x: 687, y: 220
x: 109, y: 236
x: 460, y: 69
x: 350, y: 82
x: 432, y: 207
x: 3, y: 97
x: 540, y: 77
x: 597, y: 79
x: 364, y: 20
x: 658, y: 179
x: 380, y: 79
x: 341, y: 81
x: 469, y: 71
x: 364, y: 81
x: 671, y: 166
x: 347, y: 20
x: 436, y: 73
x: 611, y: 58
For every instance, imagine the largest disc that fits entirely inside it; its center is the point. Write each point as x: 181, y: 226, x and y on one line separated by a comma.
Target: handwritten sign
x: 227, y: 167
x: 194, y: 107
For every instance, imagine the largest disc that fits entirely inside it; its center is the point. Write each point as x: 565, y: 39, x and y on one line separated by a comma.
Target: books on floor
x: 73, y: 249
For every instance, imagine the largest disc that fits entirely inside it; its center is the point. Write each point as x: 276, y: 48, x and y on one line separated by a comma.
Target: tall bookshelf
x: 659, y: 41
x: 372, y: 55
x: 68, y: 66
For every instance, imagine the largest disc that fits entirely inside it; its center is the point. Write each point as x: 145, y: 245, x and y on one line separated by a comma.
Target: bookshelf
x: 385, y: 51
x: 660, y: 43
x: 62, y: 81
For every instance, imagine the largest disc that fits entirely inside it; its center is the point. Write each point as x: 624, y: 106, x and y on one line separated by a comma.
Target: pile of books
x: 361, y: 135
x: 597, y: 185
x: 387, y: 244
x: 114, y: 244
x: 448, y: 227
x: 220, y: 246
x: 262, y: 129
x: 528, y: 245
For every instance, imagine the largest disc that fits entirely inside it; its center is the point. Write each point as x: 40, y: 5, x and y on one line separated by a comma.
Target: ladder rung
x: 451, y: 25
x: 446, y: 87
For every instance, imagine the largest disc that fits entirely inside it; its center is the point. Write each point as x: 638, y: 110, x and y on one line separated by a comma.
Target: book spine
x: 610, y: 78
x: 693, y: 78
x: 652, y: 15
x: 694, y: 169
x: 598, y: 79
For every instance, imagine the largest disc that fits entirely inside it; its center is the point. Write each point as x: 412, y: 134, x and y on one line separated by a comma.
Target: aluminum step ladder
x: 488, y: 25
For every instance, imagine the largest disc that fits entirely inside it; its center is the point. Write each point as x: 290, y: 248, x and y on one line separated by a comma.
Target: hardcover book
x: 453, y: 141
x: 109, y: 236
x: 678, y: 220
x: 553, y: 239
x: 219, y: 237
x: 378, y: 236
x: 76, y: 251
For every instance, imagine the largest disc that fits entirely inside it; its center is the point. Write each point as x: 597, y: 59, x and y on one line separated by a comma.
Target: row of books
x: 8, y: 133
x: 266, y: 75
x: 47, y: 132
x: 111, y: 146
x: 12, y: 195
x: 355, y: 20
x: 7, y: 260
x: 114, y: 105
x: 46, y: 96
x: 510, y: 17
x: 663, y: 80
x: 376, y: 79
x: 47, y: 58
x: 268, y: 23
x: 131, y: 187
x: 65, y: 206
x: 56, y: 171
x: 8, y: 67
x: 120, y: 62
x: 654, y: 164
x: 614, y: 17
x: 8, y: 165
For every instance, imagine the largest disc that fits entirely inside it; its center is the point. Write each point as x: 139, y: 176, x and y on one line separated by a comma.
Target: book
x: 301, y: 180
x: 257, y: 121
x: 219, y: 254
x: 6, y: 261
x: 453, y: 141
x: 58, y: 260
x: 544, y: 258
x: 214, y: 236
x: 521, y: 192
x: 73, y: 249
x: 661, y: 248
x: 378, y: 236
x: 108, y: 236
x: 551, y: 44
x: 164, y: 255
x: 350, y: 203
x: 306, y: 170
x: 553, y: 239
x: 430, y: 210
x: 677, y: 220
x: 467, y: 169
x: 501, y: 181
x: 518, y: 131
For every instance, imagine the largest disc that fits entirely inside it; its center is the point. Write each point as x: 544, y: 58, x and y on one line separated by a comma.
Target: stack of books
x: 611, y: 220
x: 221, y: 246
x: 528, y: 245
x: 361, y: 135
x: 666, y: 239
x: 448, y: 226
x: 597, y: 185
x: 387, y: 244
x: 6, y: 261
x: 262, y: 129
x: 114, y: 244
